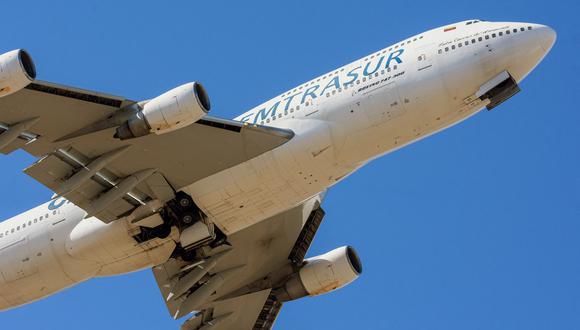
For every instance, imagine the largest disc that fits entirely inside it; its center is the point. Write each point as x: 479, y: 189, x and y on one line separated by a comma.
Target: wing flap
x: 237, y: 313
x: 265, y: 249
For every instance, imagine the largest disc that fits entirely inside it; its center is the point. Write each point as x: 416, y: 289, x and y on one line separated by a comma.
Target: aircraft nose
x: 547, y: 37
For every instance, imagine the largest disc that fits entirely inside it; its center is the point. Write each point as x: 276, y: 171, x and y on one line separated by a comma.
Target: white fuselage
x: 341, y: 121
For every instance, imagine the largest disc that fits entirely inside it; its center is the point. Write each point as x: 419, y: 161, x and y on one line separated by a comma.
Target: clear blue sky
x: 474, y: 228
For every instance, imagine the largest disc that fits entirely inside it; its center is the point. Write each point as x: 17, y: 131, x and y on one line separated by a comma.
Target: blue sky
x: 474, y: 228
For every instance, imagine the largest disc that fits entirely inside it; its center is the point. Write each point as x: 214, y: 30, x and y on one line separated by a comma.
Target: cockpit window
x: 473, y: 22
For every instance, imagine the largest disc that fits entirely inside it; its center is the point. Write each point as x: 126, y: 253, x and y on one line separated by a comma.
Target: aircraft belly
x: 272, y: 182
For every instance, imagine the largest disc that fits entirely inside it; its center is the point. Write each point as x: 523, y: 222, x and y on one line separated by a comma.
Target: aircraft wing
x: 67, y: 128
x: 260, y: 258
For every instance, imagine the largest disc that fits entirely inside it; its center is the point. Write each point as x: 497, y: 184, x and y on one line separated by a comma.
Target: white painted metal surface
x: 341, y: 121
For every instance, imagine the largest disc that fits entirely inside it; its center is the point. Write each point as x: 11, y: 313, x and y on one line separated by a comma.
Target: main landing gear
x: 194, y: 227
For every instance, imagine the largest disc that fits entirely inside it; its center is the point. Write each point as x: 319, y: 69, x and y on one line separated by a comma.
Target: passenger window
x: 452, y: 46
x: 480, y: 38
x: 446, y: 49
x: 493, y: 35
x: 459, y: 45
x: 515, y: 30
x: 472, y: 41
x: 439, y: 51
x: 529, y: 27
x: 466, y: 43
x: 500, y: 33
x: 508, y: 32
x: 486, y: 37
x: 522, y: 29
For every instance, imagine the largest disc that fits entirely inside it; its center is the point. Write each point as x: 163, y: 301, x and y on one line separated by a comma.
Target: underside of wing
x: 74, y: 133
x: 236, y: 283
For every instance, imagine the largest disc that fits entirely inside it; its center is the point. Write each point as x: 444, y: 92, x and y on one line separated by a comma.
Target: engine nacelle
x: 322, y: 274
x: 180, y: 107
x: 16, y: 71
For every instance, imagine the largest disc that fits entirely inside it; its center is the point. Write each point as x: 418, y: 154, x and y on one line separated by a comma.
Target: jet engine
x: 16, y: 71
x: 180, y: 107
x: 322, y: 274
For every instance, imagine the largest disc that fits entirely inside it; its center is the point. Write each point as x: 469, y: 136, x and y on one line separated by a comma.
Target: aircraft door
x: 425, y: 58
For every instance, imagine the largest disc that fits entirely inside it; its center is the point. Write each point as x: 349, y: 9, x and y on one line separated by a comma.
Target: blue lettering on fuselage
x: 366, y: 71
x: 56, y: 203
x: 335, y: 83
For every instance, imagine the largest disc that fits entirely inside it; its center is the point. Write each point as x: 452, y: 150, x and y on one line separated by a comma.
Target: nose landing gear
x: 498, y: 89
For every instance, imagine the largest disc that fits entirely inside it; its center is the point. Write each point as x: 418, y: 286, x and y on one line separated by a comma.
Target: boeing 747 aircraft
x: 224, y: 211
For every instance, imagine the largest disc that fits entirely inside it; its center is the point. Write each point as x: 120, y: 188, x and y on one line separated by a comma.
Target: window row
x: 26, y: 224
x: 329, y: 94
x: 384, y: 51
x: 479, y: 39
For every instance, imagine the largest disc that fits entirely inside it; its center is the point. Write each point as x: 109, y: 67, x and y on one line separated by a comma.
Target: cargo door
x: 16, y: 260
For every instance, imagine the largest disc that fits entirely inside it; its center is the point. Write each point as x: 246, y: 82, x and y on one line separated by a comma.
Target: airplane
x: 224, y: 211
